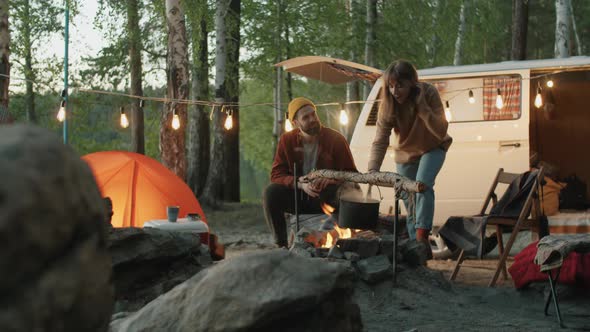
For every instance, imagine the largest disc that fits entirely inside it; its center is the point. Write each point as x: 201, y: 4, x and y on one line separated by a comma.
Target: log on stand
x: 384, y: 179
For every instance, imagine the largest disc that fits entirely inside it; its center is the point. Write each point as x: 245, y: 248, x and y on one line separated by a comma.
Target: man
x: 309, y: 146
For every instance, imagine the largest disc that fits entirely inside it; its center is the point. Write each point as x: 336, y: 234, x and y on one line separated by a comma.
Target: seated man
x: 310, y: 146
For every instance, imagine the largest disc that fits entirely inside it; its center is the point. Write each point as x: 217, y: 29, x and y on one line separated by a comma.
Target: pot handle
x: 370, y: 190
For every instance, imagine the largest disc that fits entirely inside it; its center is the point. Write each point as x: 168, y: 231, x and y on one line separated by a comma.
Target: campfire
x: 332, y: 236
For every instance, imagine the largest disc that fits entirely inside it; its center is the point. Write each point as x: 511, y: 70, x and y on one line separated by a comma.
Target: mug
x: 172, y: 213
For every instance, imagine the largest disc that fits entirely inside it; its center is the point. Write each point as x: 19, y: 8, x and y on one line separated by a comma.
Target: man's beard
x: 312, y: 130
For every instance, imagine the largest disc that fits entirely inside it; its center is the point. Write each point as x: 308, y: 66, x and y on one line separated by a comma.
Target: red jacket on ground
x: 333, y: 153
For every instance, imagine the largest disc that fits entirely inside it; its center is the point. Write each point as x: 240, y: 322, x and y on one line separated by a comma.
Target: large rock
x: 264, y: 291
x: 54, y: 264
x: 148, y: 262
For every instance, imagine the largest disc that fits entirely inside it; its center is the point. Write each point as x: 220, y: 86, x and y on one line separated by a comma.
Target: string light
x: 61, y: 114
x: 538, y: 98
x: 343, y: 115
x: 471, y: 97
x: 499, y: 101
x: 124, y: 120
x: 288, y: 124
x: 229, y: 122
x: 550, y: 83
x: 175, y: 120
x: 448, y: 114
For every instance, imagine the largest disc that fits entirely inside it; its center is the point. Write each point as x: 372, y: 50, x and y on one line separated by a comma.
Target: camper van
x: 494, y: 123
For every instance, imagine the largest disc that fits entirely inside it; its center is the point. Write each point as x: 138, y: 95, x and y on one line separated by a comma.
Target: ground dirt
x: 423, y: 299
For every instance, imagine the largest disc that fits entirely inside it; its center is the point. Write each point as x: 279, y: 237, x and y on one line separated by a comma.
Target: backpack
x: 573, y: 196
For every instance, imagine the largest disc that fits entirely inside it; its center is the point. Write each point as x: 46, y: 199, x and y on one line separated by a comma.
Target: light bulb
x: 124, y: 120
x: 288, y: 126
x: 175, y: 121
x: 538, y: 98
x: 499, y: 101
x: 448, y: 114
x: 229, y: 122
x: 61, y: 114
x: 550, y: 83
x: 343, y: 117
x: 471, y: 97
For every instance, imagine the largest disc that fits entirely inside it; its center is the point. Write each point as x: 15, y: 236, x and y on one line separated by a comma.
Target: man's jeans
x: 423, y: 170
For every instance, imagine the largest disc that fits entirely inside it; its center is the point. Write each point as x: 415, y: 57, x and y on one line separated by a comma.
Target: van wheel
x: 439, y: 248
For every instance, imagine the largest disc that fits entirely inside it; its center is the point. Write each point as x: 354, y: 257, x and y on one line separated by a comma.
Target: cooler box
x: 569, y: 222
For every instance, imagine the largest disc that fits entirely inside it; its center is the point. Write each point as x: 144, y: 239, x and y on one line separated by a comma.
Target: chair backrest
x: 518, y: 195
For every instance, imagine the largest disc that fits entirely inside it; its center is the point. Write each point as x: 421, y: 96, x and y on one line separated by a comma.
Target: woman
x: 415, y: 112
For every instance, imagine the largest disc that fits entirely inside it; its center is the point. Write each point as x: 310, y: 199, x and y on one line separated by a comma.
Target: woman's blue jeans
x: 423, y: 170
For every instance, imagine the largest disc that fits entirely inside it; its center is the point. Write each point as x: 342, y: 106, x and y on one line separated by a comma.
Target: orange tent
x: 140, y: 187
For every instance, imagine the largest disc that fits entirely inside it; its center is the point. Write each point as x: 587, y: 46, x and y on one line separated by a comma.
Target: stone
x: 302, y: 249
x: 335, y: 252
x: 351, y: 256
x: 55, y: 266
x: 148, y: 262
x: 259, y: 291
x: 374, y: 269
x: 364, y: 247
x: 386, y: 246
x: 415, y: 253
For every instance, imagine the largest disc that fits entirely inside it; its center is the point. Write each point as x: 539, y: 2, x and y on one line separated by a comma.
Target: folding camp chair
x: 518, y: 220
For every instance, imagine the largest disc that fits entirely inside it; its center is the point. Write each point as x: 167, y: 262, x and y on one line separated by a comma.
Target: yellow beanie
x: 297, y: 103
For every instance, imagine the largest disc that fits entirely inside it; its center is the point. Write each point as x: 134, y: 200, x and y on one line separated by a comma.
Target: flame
x: 338, y: 233
x: 327, y: 208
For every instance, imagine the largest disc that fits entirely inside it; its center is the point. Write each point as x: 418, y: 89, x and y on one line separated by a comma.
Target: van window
x: 484, y: 91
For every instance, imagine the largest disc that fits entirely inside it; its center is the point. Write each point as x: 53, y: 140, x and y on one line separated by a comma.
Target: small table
x: 551, y: 252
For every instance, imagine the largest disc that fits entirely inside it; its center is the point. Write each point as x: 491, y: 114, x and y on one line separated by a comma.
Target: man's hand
x: 308, y: 189
x: 320, y: 184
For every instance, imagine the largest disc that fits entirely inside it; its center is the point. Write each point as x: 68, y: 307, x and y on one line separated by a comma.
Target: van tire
x: 439, y: 248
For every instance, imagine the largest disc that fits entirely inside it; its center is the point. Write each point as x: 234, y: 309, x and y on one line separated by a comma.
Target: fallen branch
x: 383, y: 179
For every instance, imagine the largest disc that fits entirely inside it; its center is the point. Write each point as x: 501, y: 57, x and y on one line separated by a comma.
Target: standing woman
x: 415, y: 112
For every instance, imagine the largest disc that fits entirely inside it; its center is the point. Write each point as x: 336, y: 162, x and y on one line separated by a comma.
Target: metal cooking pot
x: 358, y: 213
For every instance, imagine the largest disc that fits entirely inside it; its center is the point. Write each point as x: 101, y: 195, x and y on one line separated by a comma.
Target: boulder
x: 55, y: 265
x: 260, y: 291
x: 148, y: 262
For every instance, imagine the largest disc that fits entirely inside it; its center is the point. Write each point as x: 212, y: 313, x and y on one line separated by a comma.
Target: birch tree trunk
x: 231, y: 191
x: 286, y: 29
x: 29, y: 73
x: 562, y: 29
x: 460, y: 35
x: 199, y: 141
x: 172, y: 142
x: 4, y: 62
x: 370, y: 40
x: 579, y: 48
x: 134, y: 34
x: 520, y: 22
x: 213, y: 191
x: 435, y: 28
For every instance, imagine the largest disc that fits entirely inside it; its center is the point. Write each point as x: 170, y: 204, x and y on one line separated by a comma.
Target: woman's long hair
x: 400, y: 70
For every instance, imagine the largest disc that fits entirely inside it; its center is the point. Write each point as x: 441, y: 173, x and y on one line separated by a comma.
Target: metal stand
x: 553, y: 295
x: 395, y: 221
x: 295, y: 189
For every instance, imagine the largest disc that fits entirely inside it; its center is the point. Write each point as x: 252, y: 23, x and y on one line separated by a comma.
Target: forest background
x: 207, y: 60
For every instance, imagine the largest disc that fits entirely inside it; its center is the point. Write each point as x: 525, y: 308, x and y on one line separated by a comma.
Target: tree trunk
x: 134, y: 34
x: 172, y: 144
x: 231, y: 192
x: 562, y: 29
x: 352, y: 88
x: 520, y: 22
x: 460, y: 35
x: 212, y: 192
x: 4, y: 62
x: 370, y: 40
x: 199, y: 140
x: 278, y: 127
x: 579, y: 48
x: 382, y: 179
x: 434, y: 40
x: 286, y: 28
x: 29, y: 74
